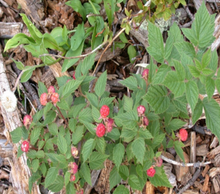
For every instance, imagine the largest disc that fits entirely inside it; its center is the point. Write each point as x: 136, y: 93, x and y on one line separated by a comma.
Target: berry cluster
x: 73, y: 170
x: 50, y: 96
x: 151, y: 171
x: 144, y: 120
x: 101, y: 128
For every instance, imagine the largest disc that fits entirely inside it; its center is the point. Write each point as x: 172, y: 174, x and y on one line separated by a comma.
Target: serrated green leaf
x: 106, y: 101
x: 52, y: 173
x: 57, y: 184
x: 40, y: 154
x: 130, y: 82
x: 118, y: 154
x: 197, y: 111
x: 161, y: 74
x: 134, y: 182
x: 210, y: 87
x: 201, y: 33
x: 86, y: 115
x: 128, y: 134
x: 35, y: 165
x: 138, y: 149
x: 121, y: 189
x: 145, y: 134
x: 192, y: 93
x: 35, y: 133
x: 160, y: 179
x: 70, y: 188
x: 128, y: 103
x: 96, y: 114
x: 157, y: 96
x: 67, y: 178
x: 96, y: 160
x: 101, y: 84
x: 124, y: 172
x: 175, y: 124
x: 186, y: 48
x: 16, y: 135
x: 212, y: 113
x: 158, y: 140
x: 78, y: 37
x: 87, y: 149
x: 101, y: 145
x: 114, y: 178
x: 156, y: 48
x: 194, y: 71
x: 77, y: 134
x: 93, y: 99
x: 85, y: 171
x: 217, y: 84
x: 77, y: 6
x: 53, y: 128
x: 62, y: 145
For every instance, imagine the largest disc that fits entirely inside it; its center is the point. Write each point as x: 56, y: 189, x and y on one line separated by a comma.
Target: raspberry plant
x: 64, y: 147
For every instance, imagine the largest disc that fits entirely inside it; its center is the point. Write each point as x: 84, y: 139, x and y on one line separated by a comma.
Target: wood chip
x: 193, y: 151
x: 206, y: 169
x: 205, y: 184
x: 149, y: 188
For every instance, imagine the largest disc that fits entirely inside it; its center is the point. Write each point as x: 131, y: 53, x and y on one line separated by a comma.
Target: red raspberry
x: 25, y: 146
x: 27, y: 120
x: 80, y: 191
x: 146, y: 121
x: 104, y: 111
x: 74, y: 168
x: 145, y: 73
x: 140, y: 109
x: 43, y: 99
x: 151, y: 172
x: 72, y: 178
x: 109, y: 125
x: 51, y: 90
x: 54, y: 98
x: 100, y: 130
x: 74, y: 152
x: 74, y: 77
x: 183, y: 134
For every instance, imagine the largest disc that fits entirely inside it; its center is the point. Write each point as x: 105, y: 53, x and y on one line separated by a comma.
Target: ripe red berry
x: 104, y: 111
x: 109, y: 125
x: 74, y: 77
x: 140, y: 109
x: 72, y: 178
x: 54, y: 98
x: 151, y: 172
x: 145, y: 73
x: 25, y: 146
x: 100, y: 130
x: 51, y: 90
x: 43, y: 99
x: 183, y: 134
x: 27, y: 120
x: 74, y: 168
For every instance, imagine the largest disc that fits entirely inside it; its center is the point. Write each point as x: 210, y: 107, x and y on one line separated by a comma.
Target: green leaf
x: 110, y: 9
x: 134, y: 182
x: 212, y: 113
x: 210, y: 87
x: 78, y: 37
x: 175, y: 124
x: 157, y: 96
x: 118, y: 154
x: 62, y: 145
x: 114, y: 178
x: 206, y: 58
x: 121, y: 189
x: 201, y: 33
x: 194, y: 71
x: 192, y: 93
x: 96, y: 114
x: 35, y: 133
x: 87, y: 149
x: 85, y: 115
x: 130, y: 82
x: 101, y: 144
x: 161, y: 74
x: 93, y: 99
x: 77, y: 6
x: 57, y: 184
x: 124, y: 172
x: 86, y: 64
x: 52, y: 173
x: 217, y: 83
x: 35, y: 165
x: 32, y: 179
x: 16, y: 135
x: 53, y: 128
x: 132, y: 53
x: 160, y: 179
x: 138, y: 149
x: 145, y: 134
x: 71, y: 188
x: 77, y: 134
x: 156, y: 48
x: 85, y: 171
x: 185, y: 48
x: 101, y: 84
x: 128, y: 134
x: 158, y: 140
x: 96, y: 160
x: 178, y: 148
x: 71, y: 86
x: 128, y: 103
x: 197, y: 111
x: 67, y: 178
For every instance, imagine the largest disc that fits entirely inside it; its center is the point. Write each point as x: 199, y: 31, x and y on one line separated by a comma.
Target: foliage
x: 186, y: 70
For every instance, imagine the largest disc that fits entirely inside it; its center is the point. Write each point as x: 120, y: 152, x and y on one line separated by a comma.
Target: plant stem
x: 61, y: 115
